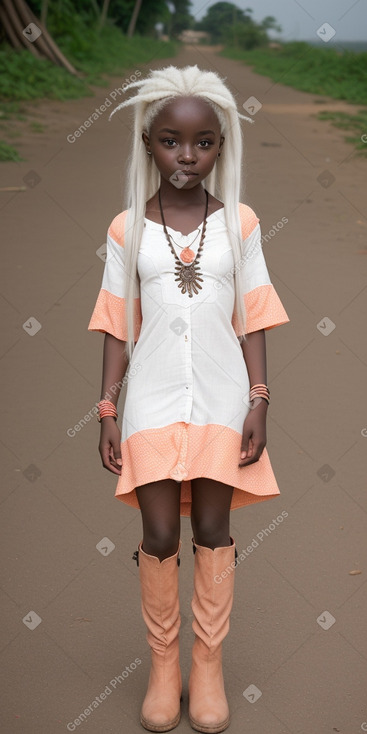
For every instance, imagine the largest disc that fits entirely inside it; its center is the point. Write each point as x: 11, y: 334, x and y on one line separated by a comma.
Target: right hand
x: 110, y: 445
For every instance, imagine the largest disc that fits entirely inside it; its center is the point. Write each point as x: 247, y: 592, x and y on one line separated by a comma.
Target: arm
x: 254, y: 427
x: 115, y: 364
x: 254, y: 352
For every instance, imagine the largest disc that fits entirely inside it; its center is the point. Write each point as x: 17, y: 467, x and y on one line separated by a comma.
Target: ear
x: 222, y: 139
x: 145, y: 139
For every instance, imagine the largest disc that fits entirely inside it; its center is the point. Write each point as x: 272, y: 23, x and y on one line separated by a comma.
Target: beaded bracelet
x: 260, y: 391
x: 105, y: 408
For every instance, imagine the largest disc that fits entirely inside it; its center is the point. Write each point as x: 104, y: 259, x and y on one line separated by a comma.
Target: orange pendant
x: 187, y: 255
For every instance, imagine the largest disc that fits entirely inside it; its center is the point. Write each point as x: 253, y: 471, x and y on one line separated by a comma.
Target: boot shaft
x: 160, y: 603
x: 213, y: 592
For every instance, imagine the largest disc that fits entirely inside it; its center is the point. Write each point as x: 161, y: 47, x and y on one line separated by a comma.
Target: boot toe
x: 153, y: 719
x: 160, y: 713
x: 209, y: 723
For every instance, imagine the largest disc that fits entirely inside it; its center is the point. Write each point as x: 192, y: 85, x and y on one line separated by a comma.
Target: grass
x: 322, y: 71
x: 357, y: 124
x: 310, y: 69
x: 12, y: 110
x: 37, y: 127
x: 23, y: 77
x: 94, y: 55
x: 8, y: 152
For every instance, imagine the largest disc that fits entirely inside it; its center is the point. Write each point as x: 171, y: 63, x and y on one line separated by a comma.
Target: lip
x: 188, y: 173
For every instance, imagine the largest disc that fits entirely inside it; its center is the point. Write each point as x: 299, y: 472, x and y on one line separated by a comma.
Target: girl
x: 185, y: 280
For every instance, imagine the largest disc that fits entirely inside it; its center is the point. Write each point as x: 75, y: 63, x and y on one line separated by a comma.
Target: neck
x: 172, y: 196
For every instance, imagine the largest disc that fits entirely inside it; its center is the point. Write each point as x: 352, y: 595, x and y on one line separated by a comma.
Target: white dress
x: 188, y: 392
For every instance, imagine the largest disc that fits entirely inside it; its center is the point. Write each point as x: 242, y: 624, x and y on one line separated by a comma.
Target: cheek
x: 163, y: 157
x: 209, y: 157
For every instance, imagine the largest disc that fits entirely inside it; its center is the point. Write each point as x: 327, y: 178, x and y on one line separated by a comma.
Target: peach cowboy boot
x: 161, y: 709
x: 211, y: 605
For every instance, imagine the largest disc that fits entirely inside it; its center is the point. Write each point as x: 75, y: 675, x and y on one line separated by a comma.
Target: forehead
x: 188, y: 110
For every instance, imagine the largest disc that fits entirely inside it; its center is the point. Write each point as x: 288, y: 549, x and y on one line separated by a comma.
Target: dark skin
x: 184, y: 137
x: 177, y: 144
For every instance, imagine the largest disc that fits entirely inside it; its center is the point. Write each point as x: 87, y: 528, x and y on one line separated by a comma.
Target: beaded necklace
x: 188, y: 276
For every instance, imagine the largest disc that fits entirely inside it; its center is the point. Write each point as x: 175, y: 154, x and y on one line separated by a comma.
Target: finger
x: 114, y: 461
x: 113, y: 469
x: 247, y: 449
x: 107, y: 460
x: 247, y: 461
x: 256, y: 454
x: 116, y: 452
x: 245, y: 444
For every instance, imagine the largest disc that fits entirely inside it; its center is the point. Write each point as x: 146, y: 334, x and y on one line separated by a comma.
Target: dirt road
x: 295, y: 658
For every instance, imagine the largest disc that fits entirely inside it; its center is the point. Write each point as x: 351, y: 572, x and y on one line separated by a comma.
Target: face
x: 185, y: 140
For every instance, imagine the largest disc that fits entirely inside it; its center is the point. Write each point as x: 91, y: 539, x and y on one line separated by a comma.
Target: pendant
x: 187, y: 255
x: 188, y: 277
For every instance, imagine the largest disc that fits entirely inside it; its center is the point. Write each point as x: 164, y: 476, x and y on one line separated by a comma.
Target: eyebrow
x: 177, y: 132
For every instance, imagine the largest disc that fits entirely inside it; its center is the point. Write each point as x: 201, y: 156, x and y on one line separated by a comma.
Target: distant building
x: 191, y: 36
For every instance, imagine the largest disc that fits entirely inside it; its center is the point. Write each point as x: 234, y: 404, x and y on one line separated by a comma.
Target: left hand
x: 254, y: 434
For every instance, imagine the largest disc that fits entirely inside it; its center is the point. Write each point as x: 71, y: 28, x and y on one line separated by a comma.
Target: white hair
x: 143, y: 177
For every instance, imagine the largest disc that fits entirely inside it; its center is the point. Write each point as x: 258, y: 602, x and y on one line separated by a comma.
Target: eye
x: 205, y: 143
x: 168, y: 141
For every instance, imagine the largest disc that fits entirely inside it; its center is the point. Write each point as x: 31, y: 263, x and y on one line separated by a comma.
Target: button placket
x: 188, y: 368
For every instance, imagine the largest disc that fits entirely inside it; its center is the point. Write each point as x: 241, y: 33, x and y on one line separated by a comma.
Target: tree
x: 181, y: 17
x: 23, y: 29
x: 134, y: 18
x: 245, y: 36
x: 228, y: 24
x: 150, y: 12
x: 270, y: 23
x: 220, y: 17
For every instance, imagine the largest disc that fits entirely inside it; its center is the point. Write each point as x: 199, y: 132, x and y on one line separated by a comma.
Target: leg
x: 210, y: 512
x: 211, y: 603
x: 160, y: 509
x: 158, y: 571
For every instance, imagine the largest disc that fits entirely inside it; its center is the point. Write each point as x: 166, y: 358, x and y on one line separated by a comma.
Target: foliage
x: 93, y: 51
x: 181, y: 19
x: 226, y: 23
x: 311, y: 69
x: 151, y: 12
x: 219, y: 18
x: 64, y: 16
x: 319, y: 71
x: 245, y: 35
x: 22, y: 76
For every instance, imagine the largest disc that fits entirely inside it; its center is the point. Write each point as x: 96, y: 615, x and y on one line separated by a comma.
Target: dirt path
x: 296, y: 630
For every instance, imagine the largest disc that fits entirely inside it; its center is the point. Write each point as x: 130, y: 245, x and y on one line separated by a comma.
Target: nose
x: 187, y: 154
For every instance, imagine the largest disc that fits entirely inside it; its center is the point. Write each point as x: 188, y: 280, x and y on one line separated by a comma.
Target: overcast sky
x: 300, y: 19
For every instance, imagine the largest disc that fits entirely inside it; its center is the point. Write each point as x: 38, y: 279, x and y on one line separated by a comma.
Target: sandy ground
x: 71, y: 613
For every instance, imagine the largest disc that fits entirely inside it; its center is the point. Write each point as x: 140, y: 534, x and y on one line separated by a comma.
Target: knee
x: 161, y: 542
x: 211, y: 532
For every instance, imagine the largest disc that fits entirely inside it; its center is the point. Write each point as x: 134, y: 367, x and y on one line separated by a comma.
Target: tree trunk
x: 103, y: 16
x: 15, y: 16
x: 134, y: 18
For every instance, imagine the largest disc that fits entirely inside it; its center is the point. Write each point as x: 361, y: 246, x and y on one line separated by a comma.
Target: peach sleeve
x: 109, y: 313
x: 264, y: 309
